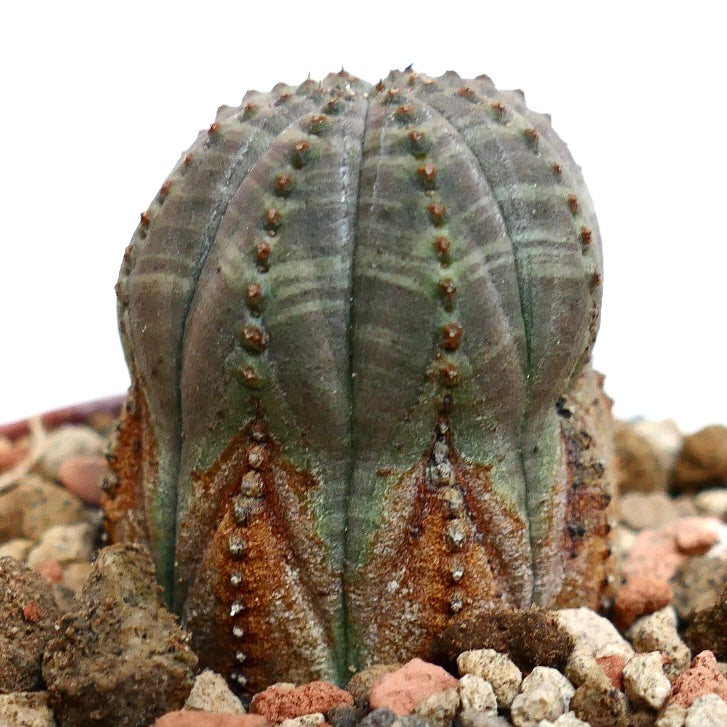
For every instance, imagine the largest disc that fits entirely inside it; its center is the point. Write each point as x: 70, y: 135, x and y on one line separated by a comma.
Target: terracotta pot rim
x: 72, y: 414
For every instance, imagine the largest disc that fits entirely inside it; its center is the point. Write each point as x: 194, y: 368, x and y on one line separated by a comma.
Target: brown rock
x: 508, y: 631
x: 639, y: 596
x: 401, y: 690
x: 642, y: 510
x: 637, y: 465
x: 32, y: 505
x: 599, y: 705
x: 27, y: 619
x: 702, y: 677
x: 702, y: 459
x: 361, y: 682
x: 119, y: 659
x: 708, y: 630
x: 697, y: 585
x: 277, y: 703
x: 209, y: 719
x: 343, y: 715
x: 82, y: 475
x: 642, y: 718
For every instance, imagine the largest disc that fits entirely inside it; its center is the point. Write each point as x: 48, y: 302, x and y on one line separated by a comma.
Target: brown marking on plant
x: 254, y: 339
x: 283, y: 184
x: 282, y: 571
x: 254, y: 294
x: 447, y: 289
x: 271, y: 218
x: 451, y: 336
x: 301, y: 151
x: 427, y: 174
x: 133, y: 462
x: 409, y: 547
x: 437, y: 213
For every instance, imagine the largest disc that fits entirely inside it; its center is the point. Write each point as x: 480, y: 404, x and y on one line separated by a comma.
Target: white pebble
x: 593, y: 633
x: 63, y: 544
x: 65, y: 442
x: 719, y: 549
x: 712, y: 502
x: 476, y: 694
x: 306, y: 720
x: 495, y: 668
x: 544, y: 676
x: 582, y: 667
x: 533, y: 705
x: 210, y: 693
x: 568, y: 719
x: 25, y: 708
x: 17, y: 548
x: 438, y: 709
x: 664, y: 437
x: 673, y: 715
x: 708, y: 710
x: 645, y: 683
x: 657, y: 632
x: 477, y: 719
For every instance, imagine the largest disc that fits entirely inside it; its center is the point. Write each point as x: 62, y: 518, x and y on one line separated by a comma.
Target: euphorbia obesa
x: 358, y: 321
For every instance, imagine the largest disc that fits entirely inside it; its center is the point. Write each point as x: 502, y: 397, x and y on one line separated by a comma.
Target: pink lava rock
x: 613, y: 668
x: 82, y: 476
x: 192, y: 718
x: 401, y: 690
x: 702, y: 677
x: 639, y: 596
x: 51, y: 570
x: 653, y: 554
x: 278, y: 703
x: 695, y: 535
x: 658, y: 553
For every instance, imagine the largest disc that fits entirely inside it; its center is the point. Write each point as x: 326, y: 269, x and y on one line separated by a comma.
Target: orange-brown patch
x: 262, y: 598
x: 133, y: 462
x: 435, y: 560
x: 585, y: 540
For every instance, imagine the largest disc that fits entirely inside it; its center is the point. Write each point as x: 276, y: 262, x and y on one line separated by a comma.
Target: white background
x: 98, y: 100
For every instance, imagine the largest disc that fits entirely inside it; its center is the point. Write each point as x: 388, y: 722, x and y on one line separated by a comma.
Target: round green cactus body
x: 358, y: 321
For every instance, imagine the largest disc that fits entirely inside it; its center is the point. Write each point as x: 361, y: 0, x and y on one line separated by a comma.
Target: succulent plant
x: 358, y: 321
